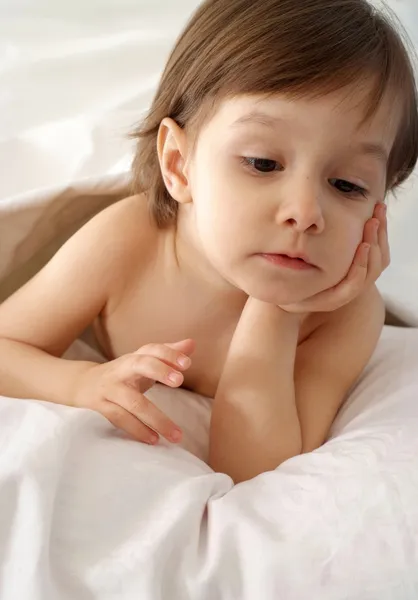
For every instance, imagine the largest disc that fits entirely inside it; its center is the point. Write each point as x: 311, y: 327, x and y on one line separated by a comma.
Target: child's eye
x: 262, y: 165
x: 345, y: 187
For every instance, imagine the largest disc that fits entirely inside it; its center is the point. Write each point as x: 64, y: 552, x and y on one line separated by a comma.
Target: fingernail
x: 176, y: 435
x: 175, y: 377
x: 153, y: 438
x: 384, y: 207
x: 184, y: 361
x: 367, y: 248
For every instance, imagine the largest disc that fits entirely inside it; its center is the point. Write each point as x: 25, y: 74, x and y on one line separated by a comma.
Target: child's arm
x: 255, y: 425
x: 331, y: 360
x: 268, y: 407
x: 40, y: 321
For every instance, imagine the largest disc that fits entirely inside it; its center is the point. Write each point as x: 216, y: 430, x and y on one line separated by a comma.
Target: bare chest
x: 172, y: 312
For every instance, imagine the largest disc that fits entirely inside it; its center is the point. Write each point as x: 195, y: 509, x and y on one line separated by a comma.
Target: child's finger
x: 376, y: 234
x: 169, y: 355
x: 358, y: 270
x: 348, y: 288
x: 371, y: 231
x: 383, y: 237
x: 122, y: 419
x: 137, y: 366
x: 145, y: 411
x: 353, y: 283
x: 375, y: 262
x: 187, y: 346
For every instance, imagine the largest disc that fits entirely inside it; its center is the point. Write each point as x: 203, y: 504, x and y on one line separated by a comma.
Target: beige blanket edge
x: 34, y: 226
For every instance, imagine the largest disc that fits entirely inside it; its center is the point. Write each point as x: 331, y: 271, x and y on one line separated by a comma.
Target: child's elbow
x: 248, y: 467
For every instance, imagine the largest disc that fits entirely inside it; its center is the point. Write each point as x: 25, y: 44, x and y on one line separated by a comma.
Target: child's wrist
x: 295, y: 317
x: 274, y: 314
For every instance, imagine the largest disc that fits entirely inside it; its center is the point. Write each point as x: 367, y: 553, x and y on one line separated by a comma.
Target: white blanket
x: 86, y: 514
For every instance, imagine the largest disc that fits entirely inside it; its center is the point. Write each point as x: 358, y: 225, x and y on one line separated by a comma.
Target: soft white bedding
x: 88, y: 515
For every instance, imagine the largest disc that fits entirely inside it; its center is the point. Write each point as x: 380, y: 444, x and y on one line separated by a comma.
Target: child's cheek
x: 352, y: 239
x: 342, y: 251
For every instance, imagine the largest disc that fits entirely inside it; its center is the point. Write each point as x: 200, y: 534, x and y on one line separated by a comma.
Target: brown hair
x: 233, y: 47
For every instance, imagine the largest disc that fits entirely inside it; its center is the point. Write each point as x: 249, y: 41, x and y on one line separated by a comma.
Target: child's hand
x: 371, y: 258
x: 116, y: 389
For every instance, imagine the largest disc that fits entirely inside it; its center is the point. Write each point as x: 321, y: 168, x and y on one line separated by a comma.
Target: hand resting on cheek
x: 372, y: 257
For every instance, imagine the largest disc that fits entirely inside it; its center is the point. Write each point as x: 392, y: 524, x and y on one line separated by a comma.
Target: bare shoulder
x: 78, y: 283
x: 132, y: 238
x: 122, y: 239
x: 110, y: 245
x: 125, y: 225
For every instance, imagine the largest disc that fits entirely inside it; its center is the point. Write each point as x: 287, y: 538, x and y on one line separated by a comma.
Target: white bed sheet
x: 86, y: 514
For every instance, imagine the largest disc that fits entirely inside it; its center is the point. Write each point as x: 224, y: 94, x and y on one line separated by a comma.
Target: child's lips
x: 297, y: 263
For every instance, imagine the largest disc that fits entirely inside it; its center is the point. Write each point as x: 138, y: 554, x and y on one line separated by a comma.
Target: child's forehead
x: 342, y: 112
x: 344, y: 105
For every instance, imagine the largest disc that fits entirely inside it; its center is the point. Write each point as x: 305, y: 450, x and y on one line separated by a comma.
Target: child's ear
x: 172, y: 154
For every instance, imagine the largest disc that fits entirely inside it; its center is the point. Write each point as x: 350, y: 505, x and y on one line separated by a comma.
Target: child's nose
x: 302, y: 208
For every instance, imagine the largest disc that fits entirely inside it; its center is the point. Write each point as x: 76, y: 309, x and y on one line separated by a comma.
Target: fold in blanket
x: 88, y: 514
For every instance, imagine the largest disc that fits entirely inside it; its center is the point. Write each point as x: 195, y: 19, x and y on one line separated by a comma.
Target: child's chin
x: 272, y: 295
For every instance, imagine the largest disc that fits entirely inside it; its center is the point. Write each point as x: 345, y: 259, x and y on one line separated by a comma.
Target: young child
x: 243, y: 268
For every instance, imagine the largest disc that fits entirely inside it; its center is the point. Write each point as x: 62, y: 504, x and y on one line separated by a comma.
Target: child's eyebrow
x: 376, y: 150
x: 256, y: 116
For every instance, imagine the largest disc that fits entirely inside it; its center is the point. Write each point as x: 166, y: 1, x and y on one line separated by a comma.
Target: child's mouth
x: 289, y: 262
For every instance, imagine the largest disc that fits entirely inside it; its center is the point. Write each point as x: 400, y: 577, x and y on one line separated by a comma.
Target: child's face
x: 316, y: 180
